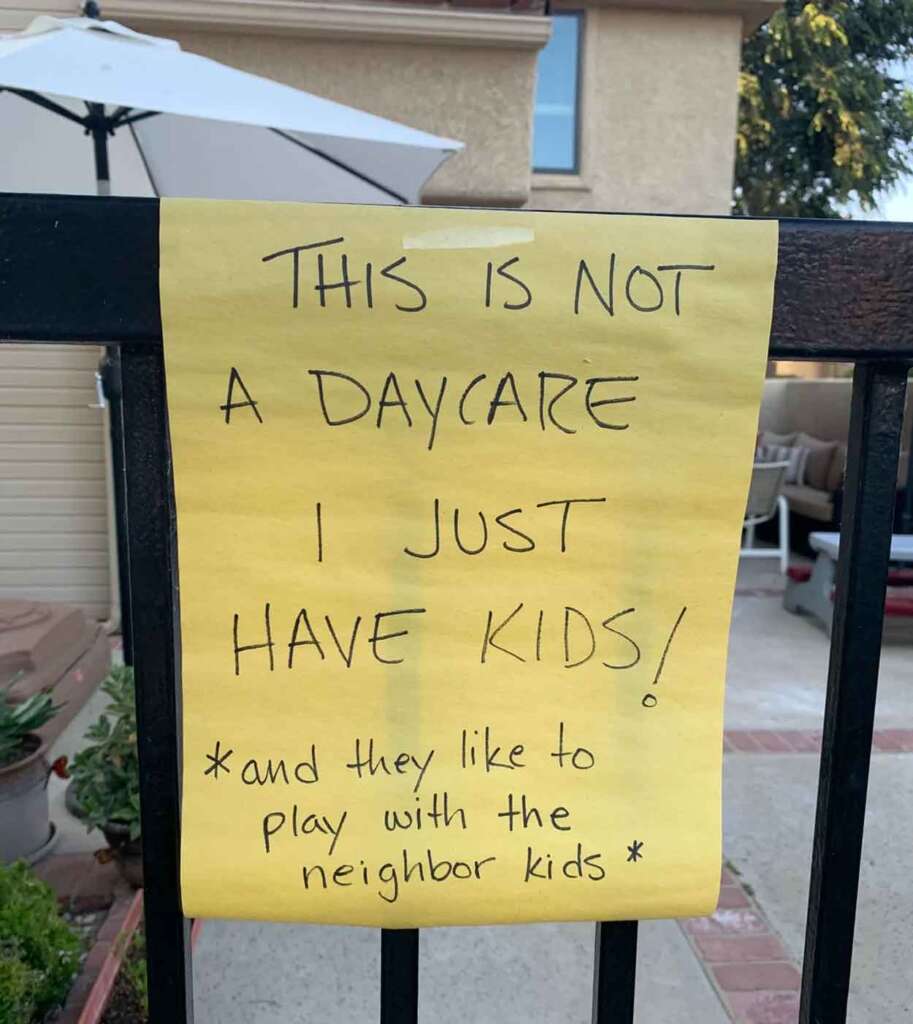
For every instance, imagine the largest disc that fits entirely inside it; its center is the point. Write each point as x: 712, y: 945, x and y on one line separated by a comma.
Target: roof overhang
x: 753, y: 12
x: 328, y: 19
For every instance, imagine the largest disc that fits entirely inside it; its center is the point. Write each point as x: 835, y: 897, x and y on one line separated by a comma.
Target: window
x: 555, y: 112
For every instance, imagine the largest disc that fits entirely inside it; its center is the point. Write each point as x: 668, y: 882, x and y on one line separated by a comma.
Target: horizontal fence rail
x: 76, y: 270
x: 82, y: 270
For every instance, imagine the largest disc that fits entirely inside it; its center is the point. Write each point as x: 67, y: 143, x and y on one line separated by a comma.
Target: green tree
x: 824, y: 118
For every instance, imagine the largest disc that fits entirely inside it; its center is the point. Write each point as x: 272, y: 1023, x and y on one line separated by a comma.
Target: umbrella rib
x: 142, y: 156
x: 342, y: 165
x: 135, y: 117
x: 114, y: 119
x: 42, y: 101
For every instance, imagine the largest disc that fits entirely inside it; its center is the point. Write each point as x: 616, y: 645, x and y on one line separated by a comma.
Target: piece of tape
x: 469, y: 238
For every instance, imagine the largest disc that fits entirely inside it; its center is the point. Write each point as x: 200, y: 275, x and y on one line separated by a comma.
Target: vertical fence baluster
x: 399, y: 976
x: 872, y: 459
x: 153, y: 594
x: 111, y: 374
x: 614, y: 972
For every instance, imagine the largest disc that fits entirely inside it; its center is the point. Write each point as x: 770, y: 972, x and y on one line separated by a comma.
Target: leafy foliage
x: 17, y: 985
x: 18, y: 720
x: 106, y: 773
x: 39, y: 955
x: 823, y: 117
x: 135, y: 969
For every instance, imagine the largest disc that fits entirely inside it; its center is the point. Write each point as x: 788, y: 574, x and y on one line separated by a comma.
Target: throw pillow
x: 795, y: 457
x: 837, y: 470
x: 818, y: 463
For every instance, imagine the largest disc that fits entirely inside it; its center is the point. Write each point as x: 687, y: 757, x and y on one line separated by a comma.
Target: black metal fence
x: 86, y: 271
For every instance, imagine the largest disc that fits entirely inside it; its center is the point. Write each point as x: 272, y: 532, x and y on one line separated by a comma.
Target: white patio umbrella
x: 195, y: 127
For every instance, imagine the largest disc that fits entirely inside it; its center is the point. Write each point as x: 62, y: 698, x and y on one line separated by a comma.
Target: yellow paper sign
x: 459, y: 498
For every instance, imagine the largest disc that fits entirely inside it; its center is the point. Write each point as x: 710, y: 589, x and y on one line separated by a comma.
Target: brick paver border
x: 807, y: 741
x: 743, y: 957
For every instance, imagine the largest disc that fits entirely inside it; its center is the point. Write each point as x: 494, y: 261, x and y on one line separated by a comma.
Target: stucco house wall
x: 658, y: 104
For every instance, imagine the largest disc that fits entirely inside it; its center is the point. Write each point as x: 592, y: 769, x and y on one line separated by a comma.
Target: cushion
x: 783, y: 440
x: 808, y: 501
x: 838, y: 469
x: 818, y: 462
x: 898, y: 606
x: 794, y: 457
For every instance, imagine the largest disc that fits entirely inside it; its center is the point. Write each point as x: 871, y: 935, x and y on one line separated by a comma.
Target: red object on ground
x: 899, y: 606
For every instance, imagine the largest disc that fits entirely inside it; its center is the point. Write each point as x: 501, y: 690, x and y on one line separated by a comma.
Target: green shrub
x: 106, y: 773
x: 39, y: 954
x: 18, y: 983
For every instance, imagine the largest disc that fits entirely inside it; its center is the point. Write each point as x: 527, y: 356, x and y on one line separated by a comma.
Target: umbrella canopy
x: 202, y: 128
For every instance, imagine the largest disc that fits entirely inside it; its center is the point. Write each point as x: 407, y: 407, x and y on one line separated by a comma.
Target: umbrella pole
x: 98, y: 127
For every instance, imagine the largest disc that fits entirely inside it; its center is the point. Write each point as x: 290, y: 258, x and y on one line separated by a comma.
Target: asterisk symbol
x: 218, y: 761
x: 634, y: 853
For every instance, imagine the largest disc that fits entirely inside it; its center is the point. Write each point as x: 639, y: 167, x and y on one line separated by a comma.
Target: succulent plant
x: 17, y: 720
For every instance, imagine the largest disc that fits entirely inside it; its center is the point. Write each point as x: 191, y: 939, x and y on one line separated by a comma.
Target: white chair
x: 764, y: 502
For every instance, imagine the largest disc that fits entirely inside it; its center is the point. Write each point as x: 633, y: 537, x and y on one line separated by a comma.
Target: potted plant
x: 25, y: 827
x: 106, y: 776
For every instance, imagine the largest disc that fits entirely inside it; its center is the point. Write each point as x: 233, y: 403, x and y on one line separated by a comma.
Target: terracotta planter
x: 25, y: 827
x: 127, y: 852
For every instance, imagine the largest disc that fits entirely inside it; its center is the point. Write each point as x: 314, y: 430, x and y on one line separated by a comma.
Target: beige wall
x: 16, y: 14
x: 483, y: 97
x: 658, y: 113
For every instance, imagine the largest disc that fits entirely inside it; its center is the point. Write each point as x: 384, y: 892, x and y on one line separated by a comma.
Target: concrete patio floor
x: 268, y: 973
x: 777, y: 680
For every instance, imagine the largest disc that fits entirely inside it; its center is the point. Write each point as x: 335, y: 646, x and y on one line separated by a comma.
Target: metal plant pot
x: 25, y: 827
